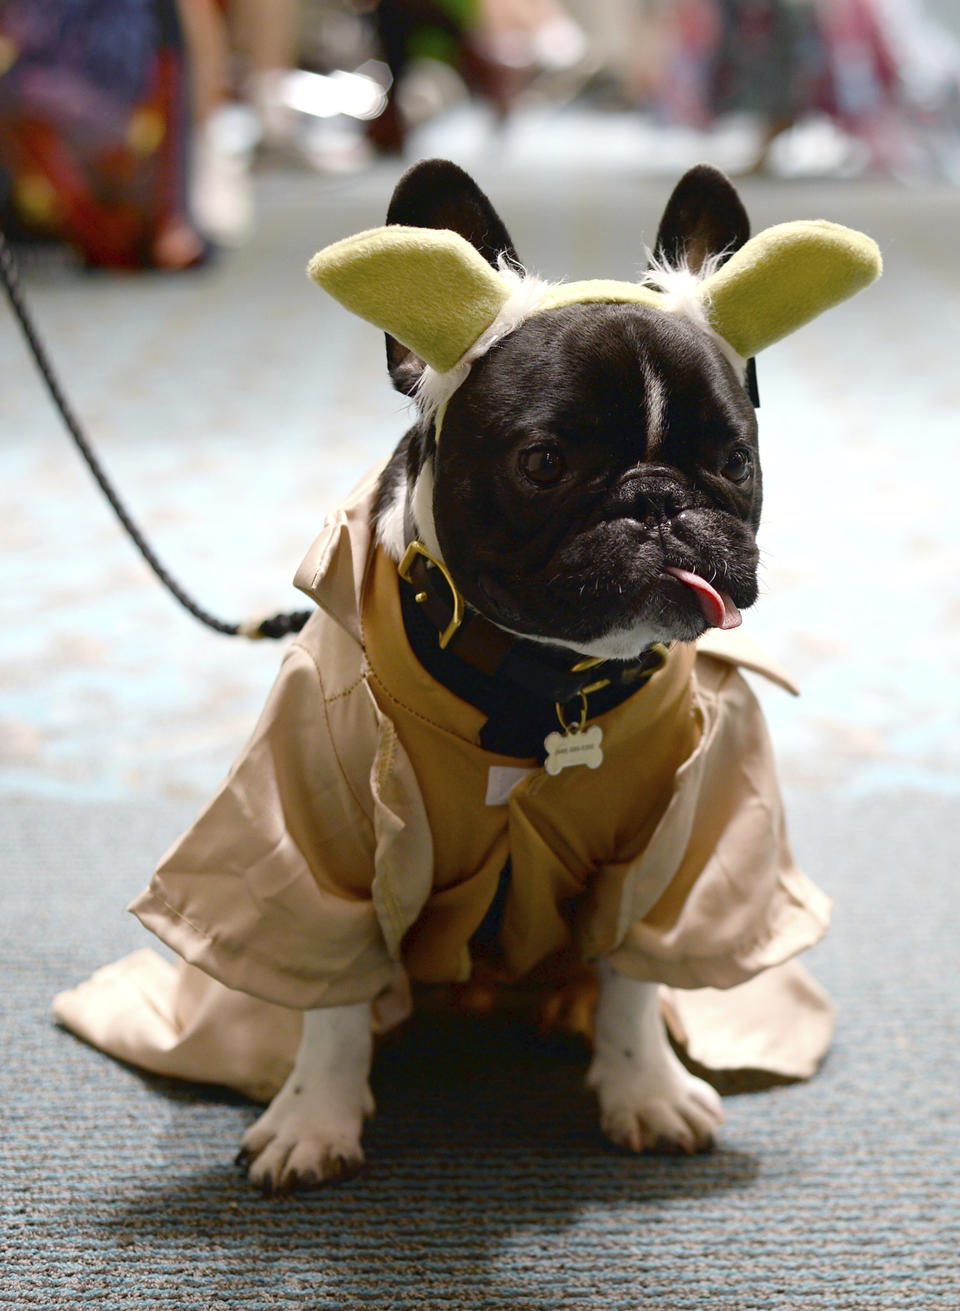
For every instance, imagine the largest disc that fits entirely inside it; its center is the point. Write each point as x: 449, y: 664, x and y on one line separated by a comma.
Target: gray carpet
x: 489, y: 1185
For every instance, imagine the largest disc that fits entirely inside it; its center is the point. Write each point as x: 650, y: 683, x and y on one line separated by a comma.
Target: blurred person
x: 264, y: 40
x: 240, y: 52
x: 690, y: 35
x: 497, y: 46
x: 218, y: 176
x: 759, y: 57
x: 405, y: 29
x: 786, y: 62
x: 629, y: 44
x: 770, y: 63
x: 863, y: 84
x: 93, y: 130
x: 529, y: 34
x: 879, y: 84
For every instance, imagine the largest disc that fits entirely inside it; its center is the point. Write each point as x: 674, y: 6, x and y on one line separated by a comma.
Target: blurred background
x: 166, y: 170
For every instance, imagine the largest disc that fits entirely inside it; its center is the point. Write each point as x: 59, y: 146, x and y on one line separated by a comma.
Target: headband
x: 433, y: 291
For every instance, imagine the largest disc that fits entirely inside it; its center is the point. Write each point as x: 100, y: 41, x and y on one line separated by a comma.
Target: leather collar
x: 464, y: 637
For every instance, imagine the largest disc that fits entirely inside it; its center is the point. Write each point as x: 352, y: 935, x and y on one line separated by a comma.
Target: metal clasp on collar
x: 581, y: 667
x: 655, y: 659
x: 404, y: 569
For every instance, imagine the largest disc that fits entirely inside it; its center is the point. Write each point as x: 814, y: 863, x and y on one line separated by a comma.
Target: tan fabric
x: 173, y: 1019
x: 177, y: 1021
x: 352, y: 838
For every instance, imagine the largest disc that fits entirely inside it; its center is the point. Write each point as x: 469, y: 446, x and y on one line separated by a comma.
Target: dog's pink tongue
x: 718, y: 609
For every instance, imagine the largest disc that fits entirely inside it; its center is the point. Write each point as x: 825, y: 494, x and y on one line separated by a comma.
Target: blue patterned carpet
x: 233, y: 407
x: 489, y: 1185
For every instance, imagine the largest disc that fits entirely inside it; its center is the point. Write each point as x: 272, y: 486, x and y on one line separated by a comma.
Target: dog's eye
x: 542, y: 464
x: 738, y: 466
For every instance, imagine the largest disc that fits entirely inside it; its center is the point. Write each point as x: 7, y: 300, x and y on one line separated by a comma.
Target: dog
x: 512, y: 742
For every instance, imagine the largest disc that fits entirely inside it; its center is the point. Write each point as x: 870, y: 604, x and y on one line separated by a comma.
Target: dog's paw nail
x: 679, y: 1145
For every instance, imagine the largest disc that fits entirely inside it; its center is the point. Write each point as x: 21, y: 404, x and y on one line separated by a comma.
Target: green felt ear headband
x: 429, y: 288
x: 437, y: 295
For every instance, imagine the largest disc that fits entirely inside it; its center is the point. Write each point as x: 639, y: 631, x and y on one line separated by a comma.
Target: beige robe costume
x: 353, y: 846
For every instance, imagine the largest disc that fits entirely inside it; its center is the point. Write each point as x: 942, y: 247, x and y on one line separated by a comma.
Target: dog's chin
x: 626, y: 643
x: 620, y: 638
x: 618, y: 644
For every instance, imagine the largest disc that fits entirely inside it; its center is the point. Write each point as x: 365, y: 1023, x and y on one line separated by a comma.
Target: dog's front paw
x: 303, y: 1141
x: 310, y: 1132
x: 664, y: 1108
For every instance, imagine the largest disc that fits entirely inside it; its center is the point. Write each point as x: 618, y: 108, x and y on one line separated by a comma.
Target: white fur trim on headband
x: 527, y: 291
x: 682, y: 294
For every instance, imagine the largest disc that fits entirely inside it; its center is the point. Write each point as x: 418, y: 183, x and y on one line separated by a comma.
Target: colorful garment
x: 92, y: 130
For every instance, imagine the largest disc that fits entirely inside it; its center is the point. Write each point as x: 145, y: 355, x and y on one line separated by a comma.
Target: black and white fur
x: 586, y: 452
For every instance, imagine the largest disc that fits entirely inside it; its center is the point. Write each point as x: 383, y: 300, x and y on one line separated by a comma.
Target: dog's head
x: 587, y: 467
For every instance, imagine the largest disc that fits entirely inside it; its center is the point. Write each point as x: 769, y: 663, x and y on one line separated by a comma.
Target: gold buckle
x: 404, y: 568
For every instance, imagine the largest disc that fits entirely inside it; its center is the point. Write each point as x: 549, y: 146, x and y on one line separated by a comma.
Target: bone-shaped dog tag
x: 577, y: 747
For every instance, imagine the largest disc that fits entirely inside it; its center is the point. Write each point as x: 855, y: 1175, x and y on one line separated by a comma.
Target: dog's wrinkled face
x: 596, y: 480
x: 590, y: 452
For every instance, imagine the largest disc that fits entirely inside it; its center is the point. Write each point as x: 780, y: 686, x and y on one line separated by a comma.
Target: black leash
x: 277, y: 626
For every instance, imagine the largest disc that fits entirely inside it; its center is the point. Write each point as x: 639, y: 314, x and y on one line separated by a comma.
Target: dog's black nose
x: 653, y: 499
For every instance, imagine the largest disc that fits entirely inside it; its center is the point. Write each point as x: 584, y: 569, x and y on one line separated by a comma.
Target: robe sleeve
x: 272, y: 889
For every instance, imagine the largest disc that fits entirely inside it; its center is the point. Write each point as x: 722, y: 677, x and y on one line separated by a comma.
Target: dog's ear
x: 438, y: 194
x: 704, y: 217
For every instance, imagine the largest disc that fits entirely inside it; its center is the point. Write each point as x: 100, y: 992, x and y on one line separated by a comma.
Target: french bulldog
x: 594, y: 495
x: 512, y: 744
